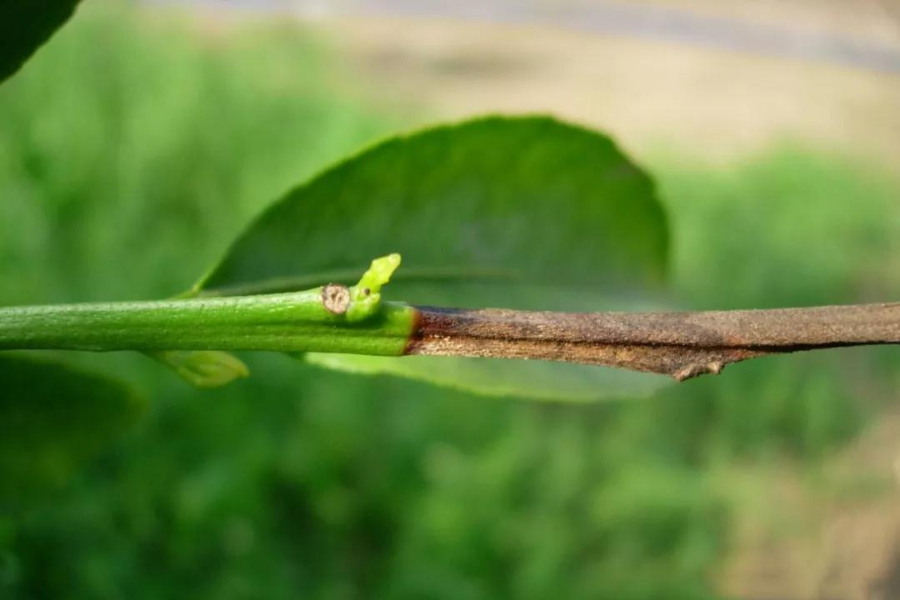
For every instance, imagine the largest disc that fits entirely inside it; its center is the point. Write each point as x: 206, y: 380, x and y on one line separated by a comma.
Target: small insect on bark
x: 336, y: 298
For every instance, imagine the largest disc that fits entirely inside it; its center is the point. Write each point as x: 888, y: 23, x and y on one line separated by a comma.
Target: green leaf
x: 513, y: 212
x: 535, y: 380
x: 25, y: 25
x: 53, y: 419
x: 203, y: 368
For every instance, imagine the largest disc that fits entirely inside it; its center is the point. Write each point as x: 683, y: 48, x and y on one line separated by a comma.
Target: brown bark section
x: 682, y: 345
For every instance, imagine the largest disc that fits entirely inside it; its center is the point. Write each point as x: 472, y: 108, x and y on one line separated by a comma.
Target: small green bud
x: 203, y: 368
x: 365, y: 296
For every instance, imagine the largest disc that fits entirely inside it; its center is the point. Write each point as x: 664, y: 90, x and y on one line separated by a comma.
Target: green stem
x: 295, y: 322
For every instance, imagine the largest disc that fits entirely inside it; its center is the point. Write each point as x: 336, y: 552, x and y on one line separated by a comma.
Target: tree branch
x: 682, y: 345
x: 338, y: 319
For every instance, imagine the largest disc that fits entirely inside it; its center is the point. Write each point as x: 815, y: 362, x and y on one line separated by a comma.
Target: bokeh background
x: 141, y: 140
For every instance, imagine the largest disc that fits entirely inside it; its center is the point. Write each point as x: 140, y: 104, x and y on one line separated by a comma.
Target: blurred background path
x: 732, y: 77
x: 847, y: 35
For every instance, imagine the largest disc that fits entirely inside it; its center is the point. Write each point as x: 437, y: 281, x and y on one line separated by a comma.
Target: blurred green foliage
x: 132, y: 150
x: 52, y: 420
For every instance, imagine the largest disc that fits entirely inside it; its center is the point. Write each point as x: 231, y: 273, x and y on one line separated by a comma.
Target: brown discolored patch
x: 336, y: 298
x: 681, y: 345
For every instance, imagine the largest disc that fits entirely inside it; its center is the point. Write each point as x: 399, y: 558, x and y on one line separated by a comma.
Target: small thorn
x: 695, y: 370
x: 685, y: 373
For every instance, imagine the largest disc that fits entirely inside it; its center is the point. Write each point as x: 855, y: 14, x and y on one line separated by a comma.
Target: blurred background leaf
x: 513, y: 212
x: 25, y: 25
x: 52, y: 420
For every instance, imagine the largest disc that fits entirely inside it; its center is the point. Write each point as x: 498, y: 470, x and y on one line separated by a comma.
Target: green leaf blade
x: 542, y: 214
x: 536, y: 380
x: 25, y: 25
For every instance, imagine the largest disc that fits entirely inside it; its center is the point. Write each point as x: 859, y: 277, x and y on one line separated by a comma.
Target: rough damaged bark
x: 682, y: 345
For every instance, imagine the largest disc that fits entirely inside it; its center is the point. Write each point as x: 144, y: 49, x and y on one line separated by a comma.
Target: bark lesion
x: 336, y: 298
x: 681, y: 345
